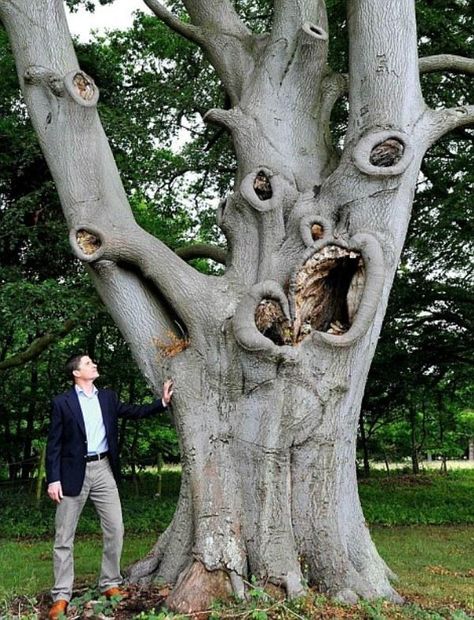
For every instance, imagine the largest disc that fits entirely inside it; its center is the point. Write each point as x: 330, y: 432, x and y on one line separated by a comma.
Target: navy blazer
x: 66, y: 449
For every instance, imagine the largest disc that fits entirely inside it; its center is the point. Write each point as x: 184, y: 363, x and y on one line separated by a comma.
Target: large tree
x: 269, y: 359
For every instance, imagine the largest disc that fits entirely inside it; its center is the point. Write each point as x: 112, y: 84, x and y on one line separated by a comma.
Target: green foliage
x: 160, y: 615
x: 93, y: 600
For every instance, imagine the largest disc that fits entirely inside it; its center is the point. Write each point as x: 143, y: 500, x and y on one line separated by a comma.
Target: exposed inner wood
x: 84, y: 86
x: 196, y: 589
x: 88, y: 242
x: 387, y: 153
x: 262, y: 186
x: 327, y: 293
x: 317, y: 231
x: 328, y: 289
x: 273, y: 324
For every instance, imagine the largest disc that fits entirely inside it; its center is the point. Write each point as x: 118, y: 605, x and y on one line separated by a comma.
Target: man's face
x: 87, y: 370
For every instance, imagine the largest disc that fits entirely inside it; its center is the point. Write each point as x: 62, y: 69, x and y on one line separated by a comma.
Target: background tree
x: 275, y: 352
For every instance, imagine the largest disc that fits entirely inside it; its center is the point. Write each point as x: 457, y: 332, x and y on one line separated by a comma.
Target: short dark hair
x: 73, y: 363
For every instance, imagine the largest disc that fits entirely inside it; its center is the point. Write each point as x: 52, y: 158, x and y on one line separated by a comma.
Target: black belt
x: 96, y: 457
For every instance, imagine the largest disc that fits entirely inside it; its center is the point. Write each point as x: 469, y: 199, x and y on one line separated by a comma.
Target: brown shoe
x: 57, y: 608
x: 115, y: 592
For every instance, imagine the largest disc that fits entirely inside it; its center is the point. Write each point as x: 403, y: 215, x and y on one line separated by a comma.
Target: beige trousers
x: 99, y: 485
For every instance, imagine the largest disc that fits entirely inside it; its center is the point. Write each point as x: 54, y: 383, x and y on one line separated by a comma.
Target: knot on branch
x: 383, y: 153
x: 262, y: 186
x: 314, y: 228
x: 314, y: 32
x: 317, y: 232
x: 387, y: 153
x: 264, y: 190
x: 37, y: 75
x: 87, y: 243
x: 259, y: 310
x: 82, y: 88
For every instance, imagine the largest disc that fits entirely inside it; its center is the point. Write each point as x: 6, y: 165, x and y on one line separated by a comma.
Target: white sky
x: 109, y: 17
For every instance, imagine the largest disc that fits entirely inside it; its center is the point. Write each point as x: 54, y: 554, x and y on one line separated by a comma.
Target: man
x: 82, y: 462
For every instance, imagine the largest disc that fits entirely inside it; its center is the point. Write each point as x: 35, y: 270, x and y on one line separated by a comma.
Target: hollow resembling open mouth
x: 326, y: 294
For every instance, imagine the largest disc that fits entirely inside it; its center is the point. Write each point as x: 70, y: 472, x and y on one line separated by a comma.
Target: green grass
x: 429, y: 498
x: 434, y: 562
x: 26, y: 567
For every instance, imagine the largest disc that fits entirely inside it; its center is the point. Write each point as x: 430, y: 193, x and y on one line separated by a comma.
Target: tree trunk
x: 270, y: 360
x: 471, y: 449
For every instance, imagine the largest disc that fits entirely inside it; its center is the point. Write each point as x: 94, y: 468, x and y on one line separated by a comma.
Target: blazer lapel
x: 73, y: 402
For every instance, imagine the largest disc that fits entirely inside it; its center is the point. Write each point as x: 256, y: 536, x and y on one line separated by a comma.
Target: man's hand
x: 55, y: 492
x: 167, y: 392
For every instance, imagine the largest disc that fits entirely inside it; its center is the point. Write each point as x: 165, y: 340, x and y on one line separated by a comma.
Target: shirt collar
x: 80, y: 391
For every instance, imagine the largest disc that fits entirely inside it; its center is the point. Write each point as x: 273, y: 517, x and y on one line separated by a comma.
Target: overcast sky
x: 109, y: 17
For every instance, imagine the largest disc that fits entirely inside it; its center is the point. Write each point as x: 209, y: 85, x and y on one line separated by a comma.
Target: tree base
x: 196, y: 589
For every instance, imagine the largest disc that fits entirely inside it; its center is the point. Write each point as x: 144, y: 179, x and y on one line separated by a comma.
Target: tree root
x: 196, y: 588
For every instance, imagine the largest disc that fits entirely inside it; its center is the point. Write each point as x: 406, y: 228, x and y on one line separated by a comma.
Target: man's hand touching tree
x: 167, y: 392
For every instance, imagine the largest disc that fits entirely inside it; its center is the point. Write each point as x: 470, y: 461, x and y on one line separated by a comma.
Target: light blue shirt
x: 93, y: 422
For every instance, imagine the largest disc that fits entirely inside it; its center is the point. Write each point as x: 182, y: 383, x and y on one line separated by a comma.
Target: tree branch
x: 188, y: 31
x: 217, y: 15
x: 139, y: 313
x: 290, y: 15
x: 445, y: 120
x: 384, y: 89
x: 219, y: 31
x: 38, y: 346
x: 447, y: 62
x: 203, y: 250
x: 61, y: 102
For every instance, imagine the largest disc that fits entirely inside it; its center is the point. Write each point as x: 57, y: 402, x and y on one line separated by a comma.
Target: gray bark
x: 270, y: 360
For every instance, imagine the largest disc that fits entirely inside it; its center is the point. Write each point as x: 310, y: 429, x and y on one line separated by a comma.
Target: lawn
x: 423, y: 527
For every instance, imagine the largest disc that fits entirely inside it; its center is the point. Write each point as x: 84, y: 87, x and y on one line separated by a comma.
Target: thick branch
x: 188, y: 31
x: 217, y: 28
x: 218, y: 15
x: 290, y: 15
x: 385, y: 86
x: 442, y: 121
x: 203, y: 250
x: 447, y: 62
x: 141, y: 316
x: 61, y: 102
x: 38, y: 346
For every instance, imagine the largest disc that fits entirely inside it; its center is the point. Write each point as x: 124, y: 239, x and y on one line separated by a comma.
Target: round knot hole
x: 317, y: 231
x: 84, y: 86
x: 262, y: 186
x: 88, y: 242
x: 317, y: 31
x: 387, y: 153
